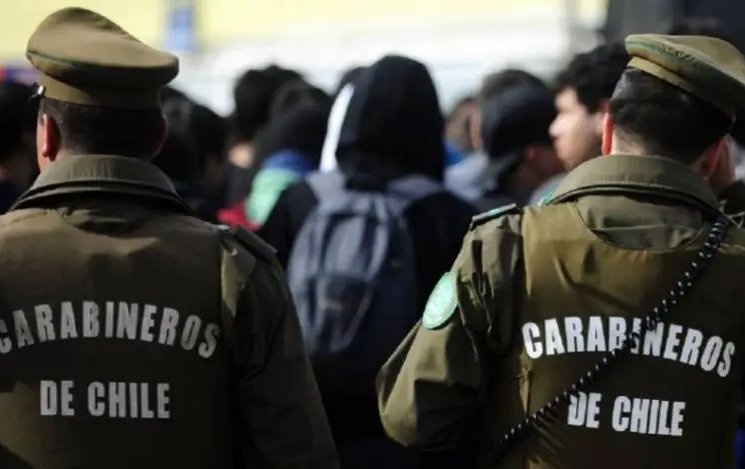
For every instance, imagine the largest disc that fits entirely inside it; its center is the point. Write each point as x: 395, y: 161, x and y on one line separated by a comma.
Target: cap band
x: 96, y: 96
x: 723, y: 104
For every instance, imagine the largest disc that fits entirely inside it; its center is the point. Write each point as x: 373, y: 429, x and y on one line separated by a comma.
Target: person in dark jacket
x: 290, y: 148
x: 192, y: 154
x: 478, y: 173
x: 253, y: 95
x: 514, y: 132
x: 393, y: 127
x: 17, y: 141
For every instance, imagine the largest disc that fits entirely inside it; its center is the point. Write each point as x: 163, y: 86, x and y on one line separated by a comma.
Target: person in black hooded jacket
x: 393, y: 127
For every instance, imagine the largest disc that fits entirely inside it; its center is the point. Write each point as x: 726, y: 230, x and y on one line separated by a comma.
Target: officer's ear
x: 598, y: 117
x: 608, y: 129
x: 48, y: 140
x: 709, y: 161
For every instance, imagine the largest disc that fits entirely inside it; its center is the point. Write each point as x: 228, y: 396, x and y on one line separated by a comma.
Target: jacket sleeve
x: 431, y: 387
x: 277, y: 229
x: 282, y: 420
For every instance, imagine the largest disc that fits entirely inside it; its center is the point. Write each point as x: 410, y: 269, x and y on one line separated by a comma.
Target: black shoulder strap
x: 678, y: 291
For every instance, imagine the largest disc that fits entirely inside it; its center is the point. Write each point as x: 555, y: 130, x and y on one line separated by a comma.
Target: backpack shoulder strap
x: 410, y: 189
x: 326, y: 186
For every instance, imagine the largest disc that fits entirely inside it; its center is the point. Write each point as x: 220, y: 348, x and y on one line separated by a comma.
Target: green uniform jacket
x: 133, y: 335
x: 538, y: 297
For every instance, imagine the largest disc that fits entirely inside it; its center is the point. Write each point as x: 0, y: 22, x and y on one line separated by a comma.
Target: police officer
x: 559, y: 307
x: 133, y: 335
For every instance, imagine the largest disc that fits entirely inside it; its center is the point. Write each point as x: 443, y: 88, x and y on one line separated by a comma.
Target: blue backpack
x: 352, y: 274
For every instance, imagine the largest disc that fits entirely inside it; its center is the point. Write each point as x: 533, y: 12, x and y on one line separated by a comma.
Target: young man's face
x: 576, y: 131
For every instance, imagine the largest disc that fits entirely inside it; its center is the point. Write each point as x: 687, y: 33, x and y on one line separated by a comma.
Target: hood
x: 393, y: 124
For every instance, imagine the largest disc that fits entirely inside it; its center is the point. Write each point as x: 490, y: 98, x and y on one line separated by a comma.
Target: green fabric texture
x: 268, y: 185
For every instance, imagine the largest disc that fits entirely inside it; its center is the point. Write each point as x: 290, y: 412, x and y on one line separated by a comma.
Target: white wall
x: 457, y: 53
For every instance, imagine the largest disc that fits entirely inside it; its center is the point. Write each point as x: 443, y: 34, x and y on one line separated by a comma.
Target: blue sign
x: 181, y: 26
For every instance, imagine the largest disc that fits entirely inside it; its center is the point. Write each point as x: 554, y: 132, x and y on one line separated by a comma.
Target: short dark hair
x: 593, y: 75
x: 93, y: 129
x: 296, y: 93
x: 301, y: 129
x: 253, y: 94
x: 516, y: 118
x: 664, y: 119
x: 196, y: 135
x: 17, y: 116
x: 497, y: 82
x: 699, y: 26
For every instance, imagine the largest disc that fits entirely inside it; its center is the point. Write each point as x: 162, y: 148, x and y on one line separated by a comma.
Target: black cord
x: 632, y: 339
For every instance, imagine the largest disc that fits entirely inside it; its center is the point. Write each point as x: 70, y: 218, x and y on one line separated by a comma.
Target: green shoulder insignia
x: 546, y: 199
x: 252, y: 242
x: 442, y: 303
x: 482, y: 218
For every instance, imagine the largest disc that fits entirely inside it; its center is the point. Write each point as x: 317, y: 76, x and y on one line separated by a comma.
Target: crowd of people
x: 511, y: 142
x: 365, y: 193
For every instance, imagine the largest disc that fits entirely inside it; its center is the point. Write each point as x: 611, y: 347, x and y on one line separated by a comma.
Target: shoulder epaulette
x: 252, y: 242
x: 482, y: 218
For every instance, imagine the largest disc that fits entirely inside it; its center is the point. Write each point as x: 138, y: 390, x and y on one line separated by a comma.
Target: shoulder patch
x: 252, y: 242
x: 442, y: 303
x: 482, y: 218
x: 546, y: 199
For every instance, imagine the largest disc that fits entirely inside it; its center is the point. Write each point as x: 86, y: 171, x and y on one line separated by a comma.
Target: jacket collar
x: 78, y: 174
x: 641, y: 174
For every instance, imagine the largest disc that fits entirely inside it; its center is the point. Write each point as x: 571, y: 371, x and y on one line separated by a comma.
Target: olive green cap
x: 707, y: 67
x: 85, y: 58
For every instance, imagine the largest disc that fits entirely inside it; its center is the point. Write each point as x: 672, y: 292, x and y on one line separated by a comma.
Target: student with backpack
x: 365, y: 245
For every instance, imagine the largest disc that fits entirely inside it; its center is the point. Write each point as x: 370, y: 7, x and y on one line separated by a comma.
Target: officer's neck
x: 626, y: 146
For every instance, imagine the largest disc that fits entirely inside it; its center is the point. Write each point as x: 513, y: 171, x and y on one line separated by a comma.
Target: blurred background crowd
x: 495, y: 99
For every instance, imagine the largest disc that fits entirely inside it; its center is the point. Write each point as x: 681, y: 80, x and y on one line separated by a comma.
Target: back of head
x: 393, y: 125
x: 178, y: 156
x: 707, y: 26
x: 663, y: 119
x: 300, y: 130
x: 295, y: 93
x: 679, y: 96
x: 515, y: 118
x: 97, y: 80
x: 210, y: 130
x: 98, y: 130
x: 593, y: 75
x: 17, y: 116
x: 253, y: 95
x: 502, y: 80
